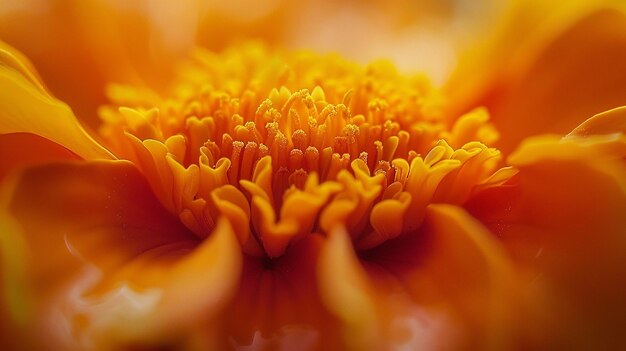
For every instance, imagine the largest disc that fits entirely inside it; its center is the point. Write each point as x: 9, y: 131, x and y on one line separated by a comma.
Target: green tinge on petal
x: 26, y: 107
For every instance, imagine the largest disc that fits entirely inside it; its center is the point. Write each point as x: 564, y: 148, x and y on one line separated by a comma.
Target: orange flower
x: 270, y: 199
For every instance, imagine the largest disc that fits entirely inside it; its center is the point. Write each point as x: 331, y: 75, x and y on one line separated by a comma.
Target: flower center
x: 284, y: 145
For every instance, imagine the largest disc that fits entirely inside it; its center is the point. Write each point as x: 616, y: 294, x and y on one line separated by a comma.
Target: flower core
x: 288, y: 144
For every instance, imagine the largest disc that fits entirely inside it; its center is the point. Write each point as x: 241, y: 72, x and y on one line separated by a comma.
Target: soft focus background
x: 526, y: 61
x: 78, y: 46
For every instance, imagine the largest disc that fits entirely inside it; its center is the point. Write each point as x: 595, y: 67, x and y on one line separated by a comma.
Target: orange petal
x: 346, y: 292
x: 33, y: 150
x: 564, y: 223
x: 102, y: 209
x: 28, y: 108
x: 568, y: 68
x: 572, y: 186
x: 15, y: 303
x: 490, y: 280
x: 278, y: 305
x: 387, y: 219
x: 100, y: 221
x: 178, y: 298
x: 613, y: 121
x: 205, y: 276
x: 460, y: 283
x: 107, y: 45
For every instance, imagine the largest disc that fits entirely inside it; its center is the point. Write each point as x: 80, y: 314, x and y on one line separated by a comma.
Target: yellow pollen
x: 288, y: 144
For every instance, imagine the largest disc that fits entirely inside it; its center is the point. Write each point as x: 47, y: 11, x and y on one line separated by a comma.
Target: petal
x: 572, y: 186
x: 179, y: 296
x: 564, y: 223
x: 128, y: 43
x: 33, y: 150
x: 473, y: 259
x: 460, y: 285
x: 105, y: 40
x: 28, y: 108
x: 101, y: 209
x: 97, y: 237
x: 613, y: 121
x: 207, y: 276
x: 346, y: 292
x: 569, y: 67
x: 15, y: 307
x: 278, y: 301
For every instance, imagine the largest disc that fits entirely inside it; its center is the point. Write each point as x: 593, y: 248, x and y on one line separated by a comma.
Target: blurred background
x: 79, y: 46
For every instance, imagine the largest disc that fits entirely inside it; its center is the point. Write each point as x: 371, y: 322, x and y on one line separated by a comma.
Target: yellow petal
x: 387, y: 219
x: 274, y: 234
x: 234, y: 206
x: 28, y: 108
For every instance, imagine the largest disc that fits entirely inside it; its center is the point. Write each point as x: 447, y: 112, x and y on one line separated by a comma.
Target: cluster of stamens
x: 285, y: 146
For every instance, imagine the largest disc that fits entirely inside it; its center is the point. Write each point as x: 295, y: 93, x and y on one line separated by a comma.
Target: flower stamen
x: 281, y: 165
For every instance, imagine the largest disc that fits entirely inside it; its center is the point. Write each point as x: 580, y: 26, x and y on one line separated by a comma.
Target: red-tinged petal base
x: 278, y: 305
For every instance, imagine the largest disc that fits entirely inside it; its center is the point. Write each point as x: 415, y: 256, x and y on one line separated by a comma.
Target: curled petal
x: 346, y: 292
x: 466, y: 255
x: 234, y: 206
x: 98, y: 238
x: 387, y: 218
x: 102, y: 209
x: 275, y: 234
x: 194, y: 290
x: 459, y: 283
x: 27, y: 107
x: 613, y: 121
x: 562, y: 222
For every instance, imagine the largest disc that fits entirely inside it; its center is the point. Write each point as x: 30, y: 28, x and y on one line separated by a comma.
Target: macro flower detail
x: 274, y: 199
x: 361, y: 149
x: 358, y: 157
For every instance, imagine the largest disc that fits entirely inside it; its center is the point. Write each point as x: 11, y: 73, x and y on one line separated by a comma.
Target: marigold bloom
x: 272, y: 199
